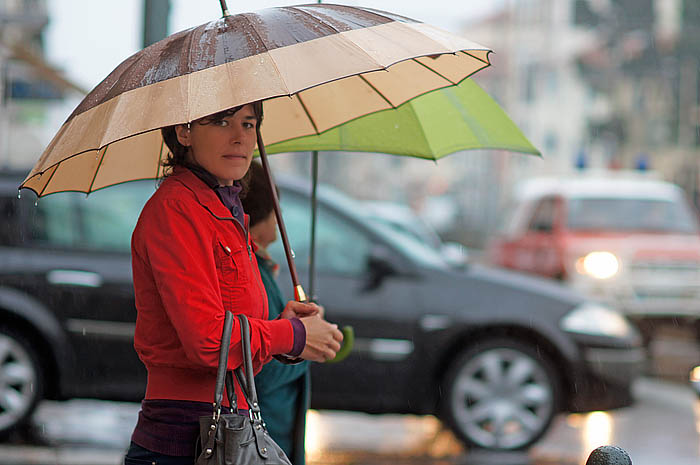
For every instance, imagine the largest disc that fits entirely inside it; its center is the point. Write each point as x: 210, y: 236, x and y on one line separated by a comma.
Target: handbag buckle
x: 254, y: 415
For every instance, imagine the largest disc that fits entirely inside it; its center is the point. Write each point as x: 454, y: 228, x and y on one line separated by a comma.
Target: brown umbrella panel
x: 317, y: 66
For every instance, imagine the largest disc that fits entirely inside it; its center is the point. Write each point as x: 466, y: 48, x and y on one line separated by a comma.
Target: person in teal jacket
x: 283, y: 390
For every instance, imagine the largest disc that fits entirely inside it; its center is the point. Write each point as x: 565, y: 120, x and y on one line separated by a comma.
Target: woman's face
x: 222, y: 147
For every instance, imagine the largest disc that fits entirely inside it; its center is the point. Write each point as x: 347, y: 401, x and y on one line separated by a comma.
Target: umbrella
x: 431, y: 126
x: 317, y: 66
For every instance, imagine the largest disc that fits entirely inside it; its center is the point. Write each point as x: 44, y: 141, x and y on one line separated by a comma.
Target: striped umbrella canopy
x: 316, y: 66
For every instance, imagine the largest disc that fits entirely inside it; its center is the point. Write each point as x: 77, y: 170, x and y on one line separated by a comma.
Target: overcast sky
x: 89, y: 38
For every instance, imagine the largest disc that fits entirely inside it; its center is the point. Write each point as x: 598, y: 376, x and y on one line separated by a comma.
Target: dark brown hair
x: 178, y: 152
x: 258, y: 203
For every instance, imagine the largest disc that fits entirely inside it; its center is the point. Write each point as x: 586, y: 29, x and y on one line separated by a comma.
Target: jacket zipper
x: 247, y: 240
x: 261, y: 290
x: 238, y: 226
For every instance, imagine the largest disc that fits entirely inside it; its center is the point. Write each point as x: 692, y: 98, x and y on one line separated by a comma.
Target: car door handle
x: 74, y: 278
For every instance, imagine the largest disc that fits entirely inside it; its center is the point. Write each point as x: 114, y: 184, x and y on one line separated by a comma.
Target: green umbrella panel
x: 431, y: 126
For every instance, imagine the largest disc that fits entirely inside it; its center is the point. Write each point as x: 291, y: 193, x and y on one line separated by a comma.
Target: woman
x: 192, y: 260
x: 283, y: 390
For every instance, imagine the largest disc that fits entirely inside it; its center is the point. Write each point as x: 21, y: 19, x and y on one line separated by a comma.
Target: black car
x: 494, y: 354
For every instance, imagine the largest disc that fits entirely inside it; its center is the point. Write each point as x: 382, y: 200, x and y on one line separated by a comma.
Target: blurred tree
x: 649, y: 77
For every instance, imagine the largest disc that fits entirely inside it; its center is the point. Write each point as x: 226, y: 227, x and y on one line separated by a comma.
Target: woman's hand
x: 295, y: 309
x: 322, y: 339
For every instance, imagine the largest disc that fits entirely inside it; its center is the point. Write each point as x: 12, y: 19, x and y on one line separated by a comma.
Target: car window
x: 630, y: 214
x: 102, y: 221
x: 10, y: 230
x: 110, y: 215
x: 543, y: 218
x: 340, y: 246
x: 53, y: 221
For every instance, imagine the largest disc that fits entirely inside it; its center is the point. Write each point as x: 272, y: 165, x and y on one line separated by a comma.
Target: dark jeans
x: 137, y: 455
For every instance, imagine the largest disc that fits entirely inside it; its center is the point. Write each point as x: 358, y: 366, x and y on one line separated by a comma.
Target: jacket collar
x: 204, y: 194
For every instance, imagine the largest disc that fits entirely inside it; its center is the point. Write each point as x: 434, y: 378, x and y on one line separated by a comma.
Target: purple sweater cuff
x: 299, y: 337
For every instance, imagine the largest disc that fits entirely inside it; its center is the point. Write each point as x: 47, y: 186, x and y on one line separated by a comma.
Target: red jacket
x: 192, y: 261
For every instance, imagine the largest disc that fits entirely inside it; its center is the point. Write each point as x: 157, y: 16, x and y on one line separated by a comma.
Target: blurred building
x: 645, y: 64
x: 29, y: 87
x: 535, y: 78
x: 599, y: 83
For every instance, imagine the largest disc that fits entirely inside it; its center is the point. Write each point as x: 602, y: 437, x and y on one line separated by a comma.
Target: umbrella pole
x: 314, y: 208
x: 299, y: 293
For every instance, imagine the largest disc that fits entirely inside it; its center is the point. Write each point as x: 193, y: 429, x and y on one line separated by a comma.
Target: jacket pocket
x: 234, y: 263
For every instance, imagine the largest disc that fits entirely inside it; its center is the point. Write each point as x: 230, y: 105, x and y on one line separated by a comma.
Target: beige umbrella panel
x: 361, y: 62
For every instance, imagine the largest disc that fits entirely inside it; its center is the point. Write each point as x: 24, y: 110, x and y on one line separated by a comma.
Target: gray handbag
x: 230, y: 439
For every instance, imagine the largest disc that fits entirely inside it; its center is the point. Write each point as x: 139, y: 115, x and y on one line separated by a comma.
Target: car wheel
x: 500, y: 394
x: 20, y: 380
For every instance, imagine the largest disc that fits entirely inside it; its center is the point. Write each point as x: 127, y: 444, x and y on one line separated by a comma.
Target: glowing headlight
x: 695, y: 375
x: 600, y: 265
x: 595, y: 319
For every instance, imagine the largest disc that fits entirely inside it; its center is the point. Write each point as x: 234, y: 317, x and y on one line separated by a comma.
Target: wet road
x: 663, y: 427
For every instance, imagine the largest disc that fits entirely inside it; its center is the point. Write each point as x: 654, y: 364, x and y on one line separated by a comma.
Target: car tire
x: 500, y: 394
x: 21, y: 381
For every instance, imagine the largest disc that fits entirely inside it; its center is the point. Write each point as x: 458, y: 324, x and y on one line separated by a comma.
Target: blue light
x: 641, y: 163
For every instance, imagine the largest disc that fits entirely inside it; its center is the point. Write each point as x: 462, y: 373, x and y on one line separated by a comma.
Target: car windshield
x: 338, y: 224
x: 631, y: 214
x: 413, y: 229
x: 408, y: 244
x: 404, y: 241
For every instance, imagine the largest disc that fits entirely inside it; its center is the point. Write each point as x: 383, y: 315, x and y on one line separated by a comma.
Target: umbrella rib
x: 376, y: 90
x: 49, y: 181
x: 439, y: 74
x: 425, y: 135
x: 92, y: 182
x: 308, y: 114
x: 477, y: 58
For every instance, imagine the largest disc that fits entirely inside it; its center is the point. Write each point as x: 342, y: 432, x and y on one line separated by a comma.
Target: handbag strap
x: 221, y: 370
x: 244, y: 374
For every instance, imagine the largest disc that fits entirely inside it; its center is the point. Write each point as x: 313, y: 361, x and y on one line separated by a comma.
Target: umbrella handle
x: 348, y: 343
